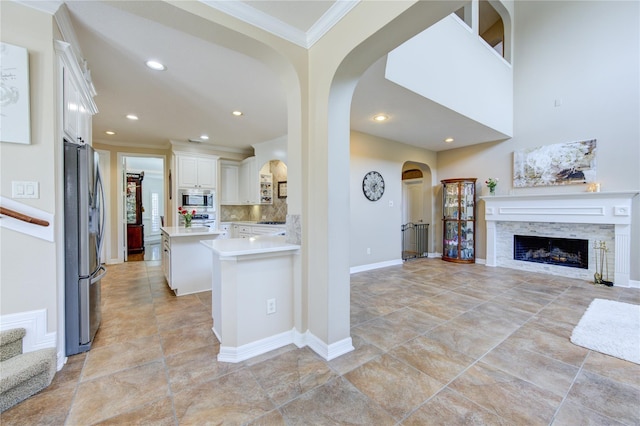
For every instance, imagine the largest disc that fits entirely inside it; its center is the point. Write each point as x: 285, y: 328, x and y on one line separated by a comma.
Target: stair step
x: 11, y: 343
x: 25, y: 375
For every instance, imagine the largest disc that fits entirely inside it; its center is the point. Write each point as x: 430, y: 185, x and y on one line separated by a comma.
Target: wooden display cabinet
x: 135, y: 228
x: 459, y: 220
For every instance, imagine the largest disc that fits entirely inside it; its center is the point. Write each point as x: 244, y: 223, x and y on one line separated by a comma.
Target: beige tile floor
x: 436, y: 344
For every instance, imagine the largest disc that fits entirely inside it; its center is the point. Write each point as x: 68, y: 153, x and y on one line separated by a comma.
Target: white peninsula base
x: 252, y: 295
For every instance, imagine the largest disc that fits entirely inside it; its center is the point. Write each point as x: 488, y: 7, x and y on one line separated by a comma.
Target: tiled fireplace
x: 592, y: 217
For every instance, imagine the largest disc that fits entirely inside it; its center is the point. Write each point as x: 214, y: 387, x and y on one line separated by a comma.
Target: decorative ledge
x: 582, y: 207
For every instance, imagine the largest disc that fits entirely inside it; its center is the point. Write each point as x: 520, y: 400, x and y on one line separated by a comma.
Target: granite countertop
x: 181, y: 231
x: 247, y: 246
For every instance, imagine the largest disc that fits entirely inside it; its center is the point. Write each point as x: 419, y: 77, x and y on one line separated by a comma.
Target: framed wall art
x: 15, y: 123
x: 282, y: 189
x: 556, y: 164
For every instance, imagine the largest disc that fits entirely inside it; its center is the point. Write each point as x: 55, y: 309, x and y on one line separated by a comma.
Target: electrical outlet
x: 368, y: 250
x: 271, y: 306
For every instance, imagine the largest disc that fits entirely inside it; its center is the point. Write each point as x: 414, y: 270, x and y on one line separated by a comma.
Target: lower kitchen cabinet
x: 186, y: 263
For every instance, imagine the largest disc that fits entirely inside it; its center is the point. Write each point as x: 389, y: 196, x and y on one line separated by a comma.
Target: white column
x: 491, y: 244
x: 623, y: 255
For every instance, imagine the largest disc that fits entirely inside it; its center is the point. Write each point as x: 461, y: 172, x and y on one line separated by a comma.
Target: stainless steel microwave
x: 191, y: 198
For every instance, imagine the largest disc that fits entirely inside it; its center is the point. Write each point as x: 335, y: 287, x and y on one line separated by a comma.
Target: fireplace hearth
x: 573, y: 253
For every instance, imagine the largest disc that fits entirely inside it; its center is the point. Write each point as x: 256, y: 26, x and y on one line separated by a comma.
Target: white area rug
x: 610, y: 327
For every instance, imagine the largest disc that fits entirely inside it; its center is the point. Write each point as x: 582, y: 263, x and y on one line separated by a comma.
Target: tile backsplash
x: 271, y: 212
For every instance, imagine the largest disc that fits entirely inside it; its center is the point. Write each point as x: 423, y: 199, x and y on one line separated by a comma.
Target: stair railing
x: 23, y: 217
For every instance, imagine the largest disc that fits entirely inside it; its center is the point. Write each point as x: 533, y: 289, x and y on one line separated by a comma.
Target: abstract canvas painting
x: 557, y: 164
x: 14, y: 94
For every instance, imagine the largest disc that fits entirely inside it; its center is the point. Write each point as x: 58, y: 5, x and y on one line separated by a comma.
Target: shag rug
x: 610, y: 327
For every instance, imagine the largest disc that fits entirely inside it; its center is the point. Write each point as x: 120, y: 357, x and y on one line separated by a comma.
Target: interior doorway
x: 144, y: 200
x: 417, y: 210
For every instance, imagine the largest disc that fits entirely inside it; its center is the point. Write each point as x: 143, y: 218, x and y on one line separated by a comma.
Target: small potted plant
x: 492, y: 183
x: 187, y: 215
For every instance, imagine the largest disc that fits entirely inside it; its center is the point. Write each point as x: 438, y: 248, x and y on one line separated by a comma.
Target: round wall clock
x: 373, y: 186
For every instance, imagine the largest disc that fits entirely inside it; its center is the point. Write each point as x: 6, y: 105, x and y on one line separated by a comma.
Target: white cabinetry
x: 249, y: 183
x: 247, y: 231
x: 186, y: 263
x: 166, y: 257
x: 226, y: 230
x: 239, y: 182
x: 77, y: 96
x: 196, y: 171
x: 230, y: 182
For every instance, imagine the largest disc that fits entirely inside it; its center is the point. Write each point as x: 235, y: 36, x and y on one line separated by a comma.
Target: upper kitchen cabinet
x: 196, y: 171
x: 77, y: 96
x: 230, y: 182
x: 249, y: 183
x: 239, y: 182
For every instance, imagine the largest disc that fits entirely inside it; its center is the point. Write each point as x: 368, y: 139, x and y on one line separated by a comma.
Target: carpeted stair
x: 22, y: 375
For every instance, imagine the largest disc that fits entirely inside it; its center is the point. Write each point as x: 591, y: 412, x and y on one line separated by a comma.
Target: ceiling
x: 204, y: 82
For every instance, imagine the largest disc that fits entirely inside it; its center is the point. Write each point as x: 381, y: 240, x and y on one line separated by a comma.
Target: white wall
x: 27, y: 264
x: 376, y: 225
x: 567, y: 51
x: 451, y: 65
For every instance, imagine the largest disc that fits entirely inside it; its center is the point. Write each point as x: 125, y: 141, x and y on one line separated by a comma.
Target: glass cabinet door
x: 459, y: 215
x: 450, y: 243
x: 131, y: 203
x: 451, y: 205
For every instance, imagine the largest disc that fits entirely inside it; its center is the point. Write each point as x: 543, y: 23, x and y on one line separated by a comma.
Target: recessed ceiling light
x: 380, y: 117
x: 132, y: 117
x: 448, y: 140
x: 110, y: 132
x: 237, y: 113
x: 155, y: 65
x: 204, y: 137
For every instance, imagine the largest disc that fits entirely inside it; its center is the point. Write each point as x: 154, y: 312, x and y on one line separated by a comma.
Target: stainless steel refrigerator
x: 84, y: 227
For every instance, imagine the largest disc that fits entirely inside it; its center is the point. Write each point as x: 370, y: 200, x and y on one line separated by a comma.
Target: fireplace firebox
x: 573, y: 253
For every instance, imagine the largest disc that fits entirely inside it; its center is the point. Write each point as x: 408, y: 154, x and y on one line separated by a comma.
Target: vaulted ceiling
x: 204, y: 82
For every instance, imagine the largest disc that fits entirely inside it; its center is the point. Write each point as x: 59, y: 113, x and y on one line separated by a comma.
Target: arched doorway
x: 417, y: 210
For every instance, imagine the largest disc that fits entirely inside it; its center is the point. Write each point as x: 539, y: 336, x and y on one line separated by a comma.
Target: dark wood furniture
x: 135, y: 228
x: 459, y: 220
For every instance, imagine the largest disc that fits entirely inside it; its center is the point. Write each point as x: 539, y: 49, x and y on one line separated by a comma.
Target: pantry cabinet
x: 459, y: 220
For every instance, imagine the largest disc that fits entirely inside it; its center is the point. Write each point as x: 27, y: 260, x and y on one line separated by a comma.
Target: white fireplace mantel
x: 613, y: 208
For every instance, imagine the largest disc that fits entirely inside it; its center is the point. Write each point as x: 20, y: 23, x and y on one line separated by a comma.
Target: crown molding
x: 330, y: 18
x: 257, y: 18
x: 63, y: 19
x: 210, y: 147
x: 47, y: 6
x: 268, y: 23
x: 164, y: 146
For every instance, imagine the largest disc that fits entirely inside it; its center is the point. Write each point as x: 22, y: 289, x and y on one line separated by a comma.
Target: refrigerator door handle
x: 98, y: 277
x: 103, y: 212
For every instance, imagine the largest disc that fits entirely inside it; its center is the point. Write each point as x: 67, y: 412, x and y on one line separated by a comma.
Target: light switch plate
x: 23, y: 189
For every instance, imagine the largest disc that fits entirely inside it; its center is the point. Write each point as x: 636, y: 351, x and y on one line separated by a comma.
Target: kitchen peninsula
x: 252, y: 294
x: 186, y: 264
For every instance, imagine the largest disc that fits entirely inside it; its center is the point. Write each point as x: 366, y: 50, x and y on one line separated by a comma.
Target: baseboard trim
x: 328, y: 352
x: 250, y: 350
x: 35, y: 323
x: 369, y: 267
